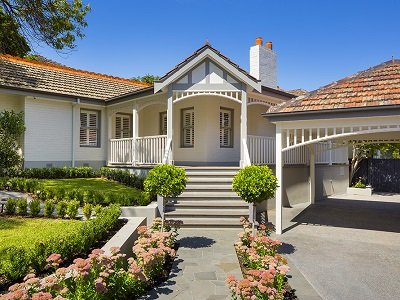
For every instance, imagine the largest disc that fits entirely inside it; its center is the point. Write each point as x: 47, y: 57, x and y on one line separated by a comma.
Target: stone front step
x: 208, y: 200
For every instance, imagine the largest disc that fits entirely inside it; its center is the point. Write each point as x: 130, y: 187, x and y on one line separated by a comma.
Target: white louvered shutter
x: 88, y: 134
x: 225, y: 131
x: 163, y: 123
x: 188, y: 128
x: 122, y: 127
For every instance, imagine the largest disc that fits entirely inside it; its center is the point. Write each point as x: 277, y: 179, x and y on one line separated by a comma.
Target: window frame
x: 98, y: 127
x: 162, y: 114
x: 231, y: 127
x: 183, y: 127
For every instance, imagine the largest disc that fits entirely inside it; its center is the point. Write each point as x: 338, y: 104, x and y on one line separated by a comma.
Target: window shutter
x: 118, y: 127
x: 188, y: 127
x: 88, y: 133
x: 164, y: 123
x: 82, y: 133
x: 122, y: 127
x: 225, y: 132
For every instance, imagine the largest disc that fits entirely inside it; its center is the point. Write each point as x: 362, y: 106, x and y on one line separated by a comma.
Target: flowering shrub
x: 102, y: 276
x: 265, y: 269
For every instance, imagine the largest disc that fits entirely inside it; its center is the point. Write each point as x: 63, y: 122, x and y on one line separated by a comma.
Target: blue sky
x: 317, y: 42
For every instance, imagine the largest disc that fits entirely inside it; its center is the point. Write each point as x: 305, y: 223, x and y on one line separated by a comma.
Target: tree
x: 363, y: 151
x: 56, y: 23
x: 11, y: 40
x: 11, y: 128
x: 148, y: 78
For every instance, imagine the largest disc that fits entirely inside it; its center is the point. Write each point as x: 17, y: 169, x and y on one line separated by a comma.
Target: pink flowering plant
x: 102, y: 276
x: 264, y: 269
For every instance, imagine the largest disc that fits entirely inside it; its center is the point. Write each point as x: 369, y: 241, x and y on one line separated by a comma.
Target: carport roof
x: 377, y: 86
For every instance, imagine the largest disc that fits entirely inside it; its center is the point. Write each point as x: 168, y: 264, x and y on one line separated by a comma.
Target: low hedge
x: 16, y: 261
x: 60, y: 173
x: 94, y: 197
x: 123, y: 176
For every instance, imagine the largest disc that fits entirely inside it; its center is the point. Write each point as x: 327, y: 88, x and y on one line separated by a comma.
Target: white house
x: 207, y: 112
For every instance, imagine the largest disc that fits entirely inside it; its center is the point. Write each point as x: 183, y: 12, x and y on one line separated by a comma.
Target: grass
x: 98, y: 184
x: 18, y: 231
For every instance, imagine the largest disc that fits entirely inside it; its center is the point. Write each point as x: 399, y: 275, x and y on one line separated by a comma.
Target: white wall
x: 48, y: 137
x: 11, y: 102
x: 149, y: 119
x: 256, y: 123
x: 206, y: 146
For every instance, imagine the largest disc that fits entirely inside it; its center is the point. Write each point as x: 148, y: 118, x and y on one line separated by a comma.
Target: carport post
x: 312, y: 174
x: 278, y: 172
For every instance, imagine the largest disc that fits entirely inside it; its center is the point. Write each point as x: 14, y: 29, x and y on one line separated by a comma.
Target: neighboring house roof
x: 298, y: 92
x: 19, y: 73
x: 198, y: 54
x: 377, y: 86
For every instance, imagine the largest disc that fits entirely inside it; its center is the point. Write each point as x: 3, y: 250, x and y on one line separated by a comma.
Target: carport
x: 362, y: 108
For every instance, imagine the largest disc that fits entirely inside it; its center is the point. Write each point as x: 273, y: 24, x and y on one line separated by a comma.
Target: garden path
x: 204, y: 259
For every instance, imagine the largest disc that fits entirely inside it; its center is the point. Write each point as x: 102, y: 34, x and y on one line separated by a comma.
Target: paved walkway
x: 205, y: 258
x: 347, y: 247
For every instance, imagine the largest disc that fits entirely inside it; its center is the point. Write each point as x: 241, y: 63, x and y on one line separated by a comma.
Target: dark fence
x: 382, y: 174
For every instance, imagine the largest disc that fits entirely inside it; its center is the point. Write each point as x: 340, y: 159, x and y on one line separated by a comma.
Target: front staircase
x: 208, y: 200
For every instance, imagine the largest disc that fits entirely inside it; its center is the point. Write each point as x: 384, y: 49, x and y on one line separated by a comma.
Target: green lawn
x: 17, y: 231
x: 98, y: 184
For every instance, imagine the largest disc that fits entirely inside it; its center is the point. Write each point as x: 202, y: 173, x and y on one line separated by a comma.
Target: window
x: 225, y: 128
x: 188, y: 127
x: 163, y: 123
x: 122, y: 126
x: 89, y: 129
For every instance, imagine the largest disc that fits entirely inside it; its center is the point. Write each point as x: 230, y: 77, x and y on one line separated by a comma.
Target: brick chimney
x: 263, y: 63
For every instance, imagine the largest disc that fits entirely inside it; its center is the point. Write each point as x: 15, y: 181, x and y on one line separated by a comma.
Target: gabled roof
x: 199, y: 55
x: 23, y: 74
x: 377, y: 86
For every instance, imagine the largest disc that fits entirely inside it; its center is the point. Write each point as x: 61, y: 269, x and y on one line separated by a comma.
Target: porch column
x: 312, y: 174
x: 279, y: 176
x: 243, y: 127
x: 135, y: 133
x: 170, y: 129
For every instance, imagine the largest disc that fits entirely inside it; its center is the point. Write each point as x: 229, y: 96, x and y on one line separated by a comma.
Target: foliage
x: 49, y: 207
x: 56, y: 23
x: 122, y: 176
x: 61, y: 208
x: 60, y: 173
x: 11, y: 206
x: 11, y: 40
x: 165, y: 180
x: 265, y: 274
x: 11, y: 129
x: 72, y: 209
x: 87, y: 210
x: 97, y: 209
x: 363, y: 151
x: 68, y: 243
x: 255, y: 183
x: 22, y: 206
x: 360, y: 184
x: 34, y: 207
x: 148, y: 78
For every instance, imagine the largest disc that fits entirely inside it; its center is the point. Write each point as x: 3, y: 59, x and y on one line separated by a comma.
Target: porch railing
x: 262, y: 151
x: 142, y: 150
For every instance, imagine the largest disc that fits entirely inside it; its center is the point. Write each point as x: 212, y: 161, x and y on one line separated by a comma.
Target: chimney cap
x: 268, y: 45
x: 259, y: 41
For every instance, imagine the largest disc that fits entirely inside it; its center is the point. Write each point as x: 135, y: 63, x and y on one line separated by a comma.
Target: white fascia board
x: 213, y: 56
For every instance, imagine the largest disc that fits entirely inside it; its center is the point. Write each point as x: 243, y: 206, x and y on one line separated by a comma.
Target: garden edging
x: 150, y: 212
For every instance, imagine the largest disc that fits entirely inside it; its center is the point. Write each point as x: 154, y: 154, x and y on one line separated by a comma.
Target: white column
x: 312, y: 174
x: 135, y: 133
x: 170, y: 130
x: 243, y: 126
x: 279, y: 176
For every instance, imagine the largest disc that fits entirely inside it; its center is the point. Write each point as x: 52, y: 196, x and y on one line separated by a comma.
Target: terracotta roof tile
x: 377, y: 86
x: 52, y: 78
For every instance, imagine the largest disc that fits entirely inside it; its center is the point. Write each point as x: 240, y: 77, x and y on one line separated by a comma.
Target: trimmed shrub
x: 97, y: 209
x: 49, y: 207
x: 72, y: 209
x: 60, y: 173
x: 87, y: 210
x: 34, y: 207
x: 11, y: 206
x: 61, y: 208
x: 255, y: 184
x: 122, y: 176
x: 22, y: 206
x: 165, y: 180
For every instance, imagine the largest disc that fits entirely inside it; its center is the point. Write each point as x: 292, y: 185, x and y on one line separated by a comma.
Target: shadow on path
x: 196, y: 242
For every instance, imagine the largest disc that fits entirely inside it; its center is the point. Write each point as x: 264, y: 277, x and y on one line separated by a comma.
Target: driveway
x: 347, y: 247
